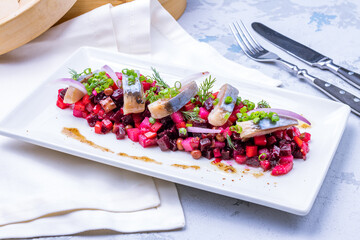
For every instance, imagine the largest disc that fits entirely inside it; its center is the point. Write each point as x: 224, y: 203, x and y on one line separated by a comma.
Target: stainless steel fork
x: 255, y: 51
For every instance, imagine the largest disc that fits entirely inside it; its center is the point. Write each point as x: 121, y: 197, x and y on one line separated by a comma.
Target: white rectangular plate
x: 37, y: 120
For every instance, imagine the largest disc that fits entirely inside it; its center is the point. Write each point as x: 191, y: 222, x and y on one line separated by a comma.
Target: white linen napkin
x: 41, y: 185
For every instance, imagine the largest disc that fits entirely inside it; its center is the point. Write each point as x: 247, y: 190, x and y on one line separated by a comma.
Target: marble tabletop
x: 332, y: 28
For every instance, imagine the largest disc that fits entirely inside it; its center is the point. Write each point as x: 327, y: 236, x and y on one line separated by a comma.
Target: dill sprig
x: 75, y: 75
x: 204, y: 89
x: 263, y: 104
x: 158, y: 79
x: 230, y: 143
x: 193, y: 116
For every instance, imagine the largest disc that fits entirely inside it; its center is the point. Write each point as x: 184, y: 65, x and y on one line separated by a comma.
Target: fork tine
x: 239, y: 40
x: 252, y: 40
x: 244, y: 39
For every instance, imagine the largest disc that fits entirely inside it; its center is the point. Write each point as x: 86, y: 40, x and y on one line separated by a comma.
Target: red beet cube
x: 156, y: 126
x: 86, y: 99
x: 282, y: 169
x: 133, y: 134
x: 98, y: 127
x: 251, y: 151
x: 108, y: 124
x: 241, y: 159
x: 61, y: 104
x: 265, y: 164
x: 145, y: 123
x: 79, y: 106
x: 260, y: 140
x: 146, y: 142
x: 150, y: 135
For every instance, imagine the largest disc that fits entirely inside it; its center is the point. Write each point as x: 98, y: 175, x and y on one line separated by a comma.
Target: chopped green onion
x: 238, y: 100
x: 236, y: 128
x: 179, y: 84
x: 212, y: 96
x: 238, y: 115
x: 216, y: 102
x: 262, y: 157
x: 152, y: 120
x: 275, y: 118
x: 189, y: 125
x: 256, y: 120
x: 243, y: 110
x: 245, y: 118
x: 193, y: 100
x: 246, y: 102
x: 228, y: 100
x: 182, y: 131
x: 251, y: 106
x: 87, y: 71
x: 227, y: 115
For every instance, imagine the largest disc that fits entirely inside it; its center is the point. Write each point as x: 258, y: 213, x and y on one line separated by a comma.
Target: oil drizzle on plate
x: 224, y: 167
x: 185, y: 166
x: 75, y: 134
x: 145, y: 159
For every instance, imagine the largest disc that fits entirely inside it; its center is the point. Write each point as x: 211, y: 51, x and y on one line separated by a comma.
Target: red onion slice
x: 111, y: 73
x: 202, y: 130
x: 283, y: 113
x: 73, y: 83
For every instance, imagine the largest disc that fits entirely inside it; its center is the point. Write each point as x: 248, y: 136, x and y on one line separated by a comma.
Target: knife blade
x: 306, y: 54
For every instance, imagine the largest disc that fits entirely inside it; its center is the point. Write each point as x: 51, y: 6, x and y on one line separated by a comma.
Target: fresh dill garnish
x: 191, y: 115
x: 158, y: 79
x: 228, y: 139
x: 204, y: 88
x: 75, y: 75
x: 263, y: 104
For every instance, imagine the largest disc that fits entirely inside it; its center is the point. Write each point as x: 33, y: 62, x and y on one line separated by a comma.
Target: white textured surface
x: 330, y: 27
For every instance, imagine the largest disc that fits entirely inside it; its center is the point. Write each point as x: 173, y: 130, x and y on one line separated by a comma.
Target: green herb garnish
x: 230, y: 144
x: 98, y: 82
x: 158, y: 79
x: 263, y: 104
x: 192, y: 116
x: 204, y: 89
x: 75, y: 75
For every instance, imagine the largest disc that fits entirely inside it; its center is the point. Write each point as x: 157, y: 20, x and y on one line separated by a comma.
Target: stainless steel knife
x: 306, y: 54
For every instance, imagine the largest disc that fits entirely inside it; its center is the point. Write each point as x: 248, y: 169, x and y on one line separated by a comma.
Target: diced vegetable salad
x: 241, y: 138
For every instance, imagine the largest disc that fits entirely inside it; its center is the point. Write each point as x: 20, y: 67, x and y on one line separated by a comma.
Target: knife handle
x: 332, y: 91
x: 339, y: 94
x: 350, y: 77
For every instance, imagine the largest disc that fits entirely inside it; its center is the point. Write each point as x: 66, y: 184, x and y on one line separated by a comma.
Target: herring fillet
x: 133, y: 96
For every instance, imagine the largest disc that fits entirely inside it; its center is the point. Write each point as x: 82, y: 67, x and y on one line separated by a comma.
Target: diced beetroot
x: 116, y: 127
x: 61, y: 93
x: 89, y: 107
x: 150, y: 135
x: 253, y: 162
x: 101, y: 113
x: 305, y: 148
x: 286, y: 136
x: 251, y: 151
x: 60, y: 103
x: 143, y: 130
x: 260, y: 140
x: 189, y: 106
x: 233, y: 117
x: 97, y: 108
x: 209, y: 103
x: 204, y: 143
x: 86, y: 99
x: 203, y: 113
x: 285, y: 150
x: 164, y: 143
x: 79, y: 114
x: 156, y: 126
x: 146, y: 142
x: 180, y: 125
x: 225, y: 154
x: 98, y: 127
x: 265, y: 164
x: 278, y: 134
x: 241, y: 159
x: 195, y: 142
x: 133, y: 134
x: 114, y: 86
x: 271, y: 140
x: 186, y: 143
x: 207, y: 153
x: 116, y: 117
x: 305, y: 136
x: 217, y: 152
x: 282, y: 169
x: 108, y: 104
x: 137, y: 125
x: 146, y: 85
x: 227, y: 132
x: 108, y: 124
x: 264, y: 150
x: 79, y: 106
x: 120, y: 134
x: 286, y: 159
x: 145, y: 123
x: 219, y: 144
x: 137, y: 117
x: 177, y: 117
x: 92, y: 119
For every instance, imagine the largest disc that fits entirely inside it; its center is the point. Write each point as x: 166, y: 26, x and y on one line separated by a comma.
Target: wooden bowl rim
x: 19, y: 11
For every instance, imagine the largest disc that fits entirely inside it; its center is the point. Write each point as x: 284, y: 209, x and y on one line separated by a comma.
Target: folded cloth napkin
x: 42, y: 188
